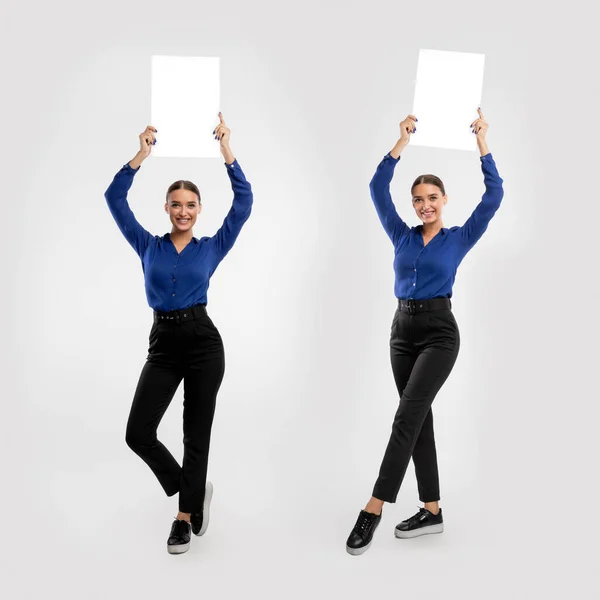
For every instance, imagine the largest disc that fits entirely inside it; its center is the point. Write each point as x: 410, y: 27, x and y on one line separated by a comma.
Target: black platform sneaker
x: 361, y: 536
x: 200, y: 520
x: 179, y: 538
x: 422, y: 523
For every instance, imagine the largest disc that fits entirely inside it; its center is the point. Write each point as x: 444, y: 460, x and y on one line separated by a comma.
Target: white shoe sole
x: 418, y: 532
x: 358, y: 551
x: 178, y: 549
x: 206, y: 508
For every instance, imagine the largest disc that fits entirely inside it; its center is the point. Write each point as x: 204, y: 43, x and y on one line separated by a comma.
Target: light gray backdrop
x: 313, y: 93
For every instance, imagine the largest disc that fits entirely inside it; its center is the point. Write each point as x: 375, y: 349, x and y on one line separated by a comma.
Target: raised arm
x: 478, y: 222
x: 241, y: 207
x: 116, y: 196
x: 394, y: 226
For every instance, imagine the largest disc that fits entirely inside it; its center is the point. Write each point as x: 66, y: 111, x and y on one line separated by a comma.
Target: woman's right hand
x: 147, y: 140
x: 407, y: 128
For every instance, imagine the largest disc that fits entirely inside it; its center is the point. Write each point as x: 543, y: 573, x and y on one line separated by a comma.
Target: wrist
x: 137, y: 160
x: 397, y: 149
x: 483, y: 147
x: 227, y: 154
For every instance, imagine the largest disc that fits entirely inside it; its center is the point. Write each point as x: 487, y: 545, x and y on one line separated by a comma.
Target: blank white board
x: 447, y: 94
x: 185, y: 98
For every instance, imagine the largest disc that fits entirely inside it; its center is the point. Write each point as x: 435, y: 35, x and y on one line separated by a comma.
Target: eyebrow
x: 434, y: 194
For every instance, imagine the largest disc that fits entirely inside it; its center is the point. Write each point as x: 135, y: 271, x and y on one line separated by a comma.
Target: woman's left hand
x: 480, y: 126
x: 222, y: 132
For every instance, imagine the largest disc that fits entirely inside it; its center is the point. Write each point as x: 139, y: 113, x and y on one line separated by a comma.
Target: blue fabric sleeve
x: 238, y: 214
x: 477, y: 223
x: 394, y: 226
x: 116, y: 198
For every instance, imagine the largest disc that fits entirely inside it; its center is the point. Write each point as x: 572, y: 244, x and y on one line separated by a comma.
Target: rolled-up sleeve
x: 475, y: 226
x: 379, y: 187
x: 116, y: 198
x: 238, y: 214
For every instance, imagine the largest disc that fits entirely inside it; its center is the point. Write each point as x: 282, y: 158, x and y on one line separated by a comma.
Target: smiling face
x: 183, y: 208
x: 428, y: 202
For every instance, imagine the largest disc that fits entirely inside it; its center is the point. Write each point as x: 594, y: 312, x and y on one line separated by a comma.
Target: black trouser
x: 423, y: 349
x: 191, y: 350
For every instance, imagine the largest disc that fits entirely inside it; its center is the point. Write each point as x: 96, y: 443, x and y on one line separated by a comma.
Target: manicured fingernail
x: 416, y: 119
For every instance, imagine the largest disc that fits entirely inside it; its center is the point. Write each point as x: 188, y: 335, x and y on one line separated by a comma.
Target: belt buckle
x: 412, y: 307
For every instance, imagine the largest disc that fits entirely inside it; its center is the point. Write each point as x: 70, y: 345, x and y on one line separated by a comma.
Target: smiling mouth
x: 428, y: 214
x: 183, y: 221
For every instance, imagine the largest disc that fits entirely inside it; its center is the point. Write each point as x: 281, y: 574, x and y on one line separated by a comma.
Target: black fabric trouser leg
x: 191, y: 351
x: 423, y: 350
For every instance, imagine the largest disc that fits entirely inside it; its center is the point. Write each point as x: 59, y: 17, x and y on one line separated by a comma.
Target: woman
x: 184, y: 343
x: 425, y: 338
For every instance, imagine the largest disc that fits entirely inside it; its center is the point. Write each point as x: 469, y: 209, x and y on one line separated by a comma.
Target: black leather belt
x: 413, y: 307
x: 185, y: 314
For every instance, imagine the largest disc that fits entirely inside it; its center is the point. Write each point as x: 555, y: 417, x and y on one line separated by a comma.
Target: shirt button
x: 173, y: 278
x: 413, y: 284
x: 173, y: 294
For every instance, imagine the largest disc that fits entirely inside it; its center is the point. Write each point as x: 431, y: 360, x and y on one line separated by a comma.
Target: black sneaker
x: 200, y: 520
x: 362, y: 534
x: 420, y: 524
x: 179, y: 538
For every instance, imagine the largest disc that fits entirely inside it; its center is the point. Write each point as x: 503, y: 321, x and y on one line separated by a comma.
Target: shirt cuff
x: 388, y: 155
x: 487, y: 156
x: 233, y: 165
x: 129, y: 169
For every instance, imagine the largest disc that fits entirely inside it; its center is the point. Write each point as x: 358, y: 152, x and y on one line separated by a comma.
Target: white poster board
x: 447, y: 94
x: 185, y: 100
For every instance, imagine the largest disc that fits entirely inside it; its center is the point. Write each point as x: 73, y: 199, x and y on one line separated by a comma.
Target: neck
x: 181, y: 236
x: 432, y: 228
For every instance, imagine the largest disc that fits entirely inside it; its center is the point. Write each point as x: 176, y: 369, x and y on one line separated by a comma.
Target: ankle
x: 183, y: 517
x: 432, y: 507
x: 374, y: 506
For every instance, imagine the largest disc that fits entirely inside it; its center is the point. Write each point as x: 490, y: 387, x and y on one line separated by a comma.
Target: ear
x: 167, y: 207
